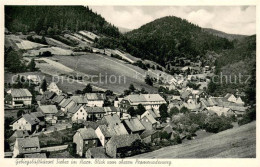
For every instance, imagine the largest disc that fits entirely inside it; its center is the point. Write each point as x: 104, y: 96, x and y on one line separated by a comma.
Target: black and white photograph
x: 129, y: 82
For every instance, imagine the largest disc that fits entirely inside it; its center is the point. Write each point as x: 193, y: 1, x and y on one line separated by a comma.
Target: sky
x: 229, y: 19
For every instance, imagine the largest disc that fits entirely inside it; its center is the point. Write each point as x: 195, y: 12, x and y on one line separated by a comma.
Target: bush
x: 174, y: 111
x: 184, y: 110
x: 72, y: 149
x: 217, y: 124
x: 249, y: 116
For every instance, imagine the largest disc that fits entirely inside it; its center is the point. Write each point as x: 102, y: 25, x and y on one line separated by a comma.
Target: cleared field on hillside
x: 17, y: 43
x: 107, y: 72
x: 239, y: 142
x: 53, y: 50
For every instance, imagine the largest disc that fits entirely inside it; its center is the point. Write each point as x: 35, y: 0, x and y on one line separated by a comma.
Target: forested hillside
x: 54, y: 19
x: 236, y: 63
x: 170, y: 37
x: 224, y: 35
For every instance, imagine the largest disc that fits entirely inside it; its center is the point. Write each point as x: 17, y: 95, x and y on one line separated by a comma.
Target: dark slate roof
x: 74, y: 108
x: 107, y: 131
x: 58, y: 99
x: 48, y: 95
x: 134, y: 124
x: 20, y: 93
x: 37, y: 114
x: 97, y: 152
x: 87, y: 133
x: 28, y: 142
x: 48, y: 109
x: 65, y: 103
x: 79, y: 99
x: 31, y: 119
x: 112, y: 119
x: 123, y: 140
x: 111, y: 109
x: 95, y: 110
x: 94, y: 96
x: 119, y: 129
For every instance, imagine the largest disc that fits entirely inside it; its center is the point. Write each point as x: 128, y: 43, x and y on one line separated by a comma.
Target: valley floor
x: 239, y: 142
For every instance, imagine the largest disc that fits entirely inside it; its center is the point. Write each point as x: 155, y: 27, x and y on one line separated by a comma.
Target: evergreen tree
x: 32, y: 65
x: 148, y: 80
x: 131, y: 111
x: 140, y: 109
x: 44, y: 85
x: 163, y: 112
x: 87, y: 89
x: 131, y: 88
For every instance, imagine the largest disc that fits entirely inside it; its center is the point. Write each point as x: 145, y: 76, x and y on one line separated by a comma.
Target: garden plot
x: 56, y: 43
x: 79, y: 41
x: 124, y: 56
x: 53, y: 50
x: 17, y: 43
x: 27, y: 45
x: 82, y: 38
x: 90, y: 35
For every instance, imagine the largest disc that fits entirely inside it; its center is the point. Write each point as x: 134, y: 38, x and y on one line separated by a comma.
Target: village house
x: 45, y: 98
x: 133, y: 126
x: 26, y: 122
x: 57, y: 100
x: 96, y: 152
x: 149, y: 136
x: 232, y: 98
x: 95, y: 99
x: 112, y: 110
x: 18, y: 97
x: 17, y: 134
x: 77, y: 113
x: 80, y: 99
x: 111, y: 119
x: 49, y: 111
x: 29, y: 145
x: 148, y: 121
x: 66, y: 104
x: 104, y: 133
x: 118, y: 144
x: 220, y: 110
x: 84, y: 139
x: 154, y: 113
x: 54, y: 88
x: 94, y: 113
x: 149, y: 101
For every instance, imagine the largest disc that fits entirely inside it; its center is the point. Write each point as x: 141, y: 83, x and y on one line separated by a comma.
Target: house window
x: 80, y: 110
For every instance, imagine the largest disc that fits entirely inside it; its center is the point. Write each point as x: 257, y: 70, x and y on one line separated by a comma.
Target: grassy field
x: 239, y: 142
x: 106, y: 69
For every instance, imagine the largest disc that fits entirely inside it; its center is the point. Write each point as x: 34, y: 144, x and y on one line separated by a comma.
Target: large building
x: 149, y: 101
x: 19, y: 97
